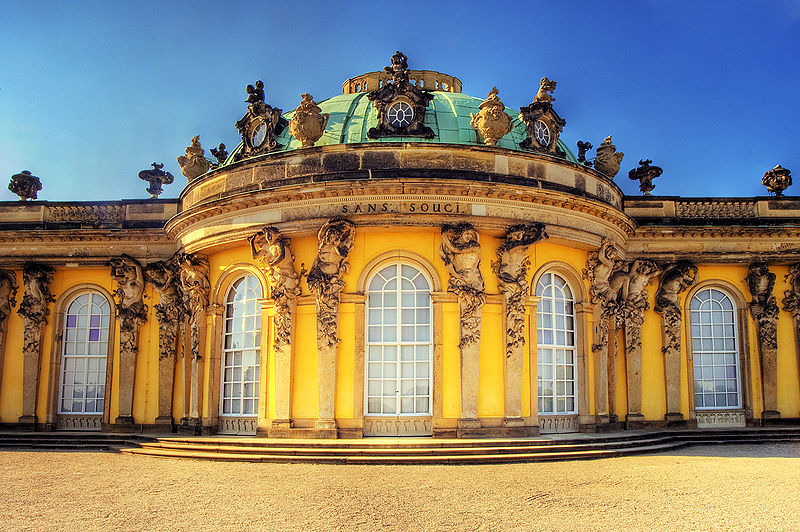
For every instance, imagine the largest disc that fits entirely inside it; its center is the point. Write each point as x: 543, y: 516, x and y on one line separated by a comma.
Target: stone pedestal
x: 470, y: 363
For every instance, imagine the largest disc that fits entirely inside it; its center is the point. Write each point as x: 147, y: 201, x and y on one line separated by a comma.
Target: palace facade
x: 400, y: 259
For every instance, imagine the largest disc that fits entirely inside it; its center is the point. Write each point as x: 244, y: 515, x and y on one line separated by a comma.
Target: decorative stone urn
x: 308, y: 123
x: 777, y: 180
x: 194, y: 164
x: 608, y: 159
x: 156, y: 178
x: 491, y: 122
x: 645, y: 175
x: 25, y: 185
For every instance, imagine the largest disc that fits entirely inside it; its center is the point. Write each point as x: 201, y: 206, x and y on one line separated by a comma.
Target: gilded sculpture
x: 8, y: 293
x: 608, y: 159
x: 511, y: 268
x: 273, y: 250
x: 334, y: 242
x: 491, y: 122
x: 156, y: 177
x: 194, y: 164
x: 25, y: 185
x: 461, y: 253
x: 308, y: 123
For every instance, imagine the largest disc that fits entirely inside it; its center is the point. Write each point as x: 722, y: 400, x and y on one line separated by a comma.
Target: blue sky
x: 93, y: 92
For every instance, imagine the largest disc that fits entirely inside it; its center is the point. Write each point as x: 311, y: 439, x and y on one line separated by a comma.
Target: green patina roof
x: 448, y: 114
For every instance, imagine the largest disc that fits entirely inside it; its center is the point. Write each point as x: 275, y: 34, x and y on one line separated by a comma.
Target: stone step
x: 397, y: 460
x: 406, y: 450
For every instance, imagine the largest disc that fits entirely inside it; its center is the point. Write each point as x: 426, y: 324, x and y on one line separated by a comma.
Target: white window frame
x: 247, y: 335
x: 554, y: 347
x: 698, y: 355
x: 398, y: 343
x: 72, y: 339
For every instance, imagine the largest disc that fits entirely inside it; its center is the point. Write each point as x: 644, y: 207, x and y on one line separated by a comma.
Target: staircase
x: 68, y: 441
x: 451, y: 451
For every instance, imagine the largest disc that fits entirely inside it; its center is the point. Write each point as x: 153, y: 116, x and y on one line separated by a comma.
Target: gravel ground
x: 720, y: 487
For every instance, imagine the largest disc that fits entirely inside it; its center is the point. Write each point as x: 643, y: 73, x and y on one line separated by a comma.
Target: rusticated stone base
x: 191, y: 426
x: 675, y: 420
x: 164, y: 420
x: 303, y: 433
x: 28, y: 422
x: 635, y: 422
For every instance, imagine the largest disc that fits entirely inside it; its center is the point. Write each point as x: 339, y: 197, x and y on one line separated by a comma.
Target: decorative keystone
x: 156, y: 177
x: 491, y: 122
x: 777, y: 180
x: 608, y: 159
x: 645, y: 174
x: 25, y: 185
x: 308, y: 123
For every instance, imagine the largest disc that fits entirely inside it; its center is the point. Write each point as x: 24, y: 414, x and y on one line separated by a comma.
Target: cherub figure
x: 220, y: 153
x: 255, y: 94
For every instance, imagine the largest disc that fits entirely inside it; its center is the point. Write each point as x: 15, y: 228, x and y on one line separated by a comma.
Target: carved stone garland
x: 764, y: 309
x: 461, y: 253
x: 37, y: 297
x: 634, y: 296
x: 273, y: 250
x: 132, y: 313
x: 511, y: 268
x: 675, y: 279
x: 170, y: 312
x: 791, y: 303
x: 8, y: 300
x: 194, y: 271
x: 334, y: 242
x: 606, y: 273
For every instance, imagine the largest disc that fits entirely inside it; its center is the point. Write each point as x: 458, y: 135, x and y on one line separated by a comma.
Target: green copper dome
x: 448, y: 115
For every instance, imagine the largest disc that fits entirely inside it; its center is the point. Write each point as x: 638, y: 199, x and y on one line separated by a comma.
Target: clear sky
x: 93, y: 92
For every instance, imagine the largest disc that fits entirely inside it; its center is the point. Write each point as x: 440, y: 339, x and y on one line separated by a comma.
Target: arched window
x: 715, y: 352
x: 83, y: 367
x: 241, y: 349
x: 556, y: 353
x: 399, y: 342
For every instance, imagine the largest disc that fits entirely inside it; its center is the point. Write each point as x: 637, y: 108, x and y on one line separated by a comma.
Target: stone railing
x: 424, y: 79
x: 715, y: 209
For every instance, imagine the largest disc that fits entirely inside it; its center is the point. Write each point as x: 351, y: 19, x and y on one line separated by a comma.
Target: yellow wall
x: 371, y: 243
